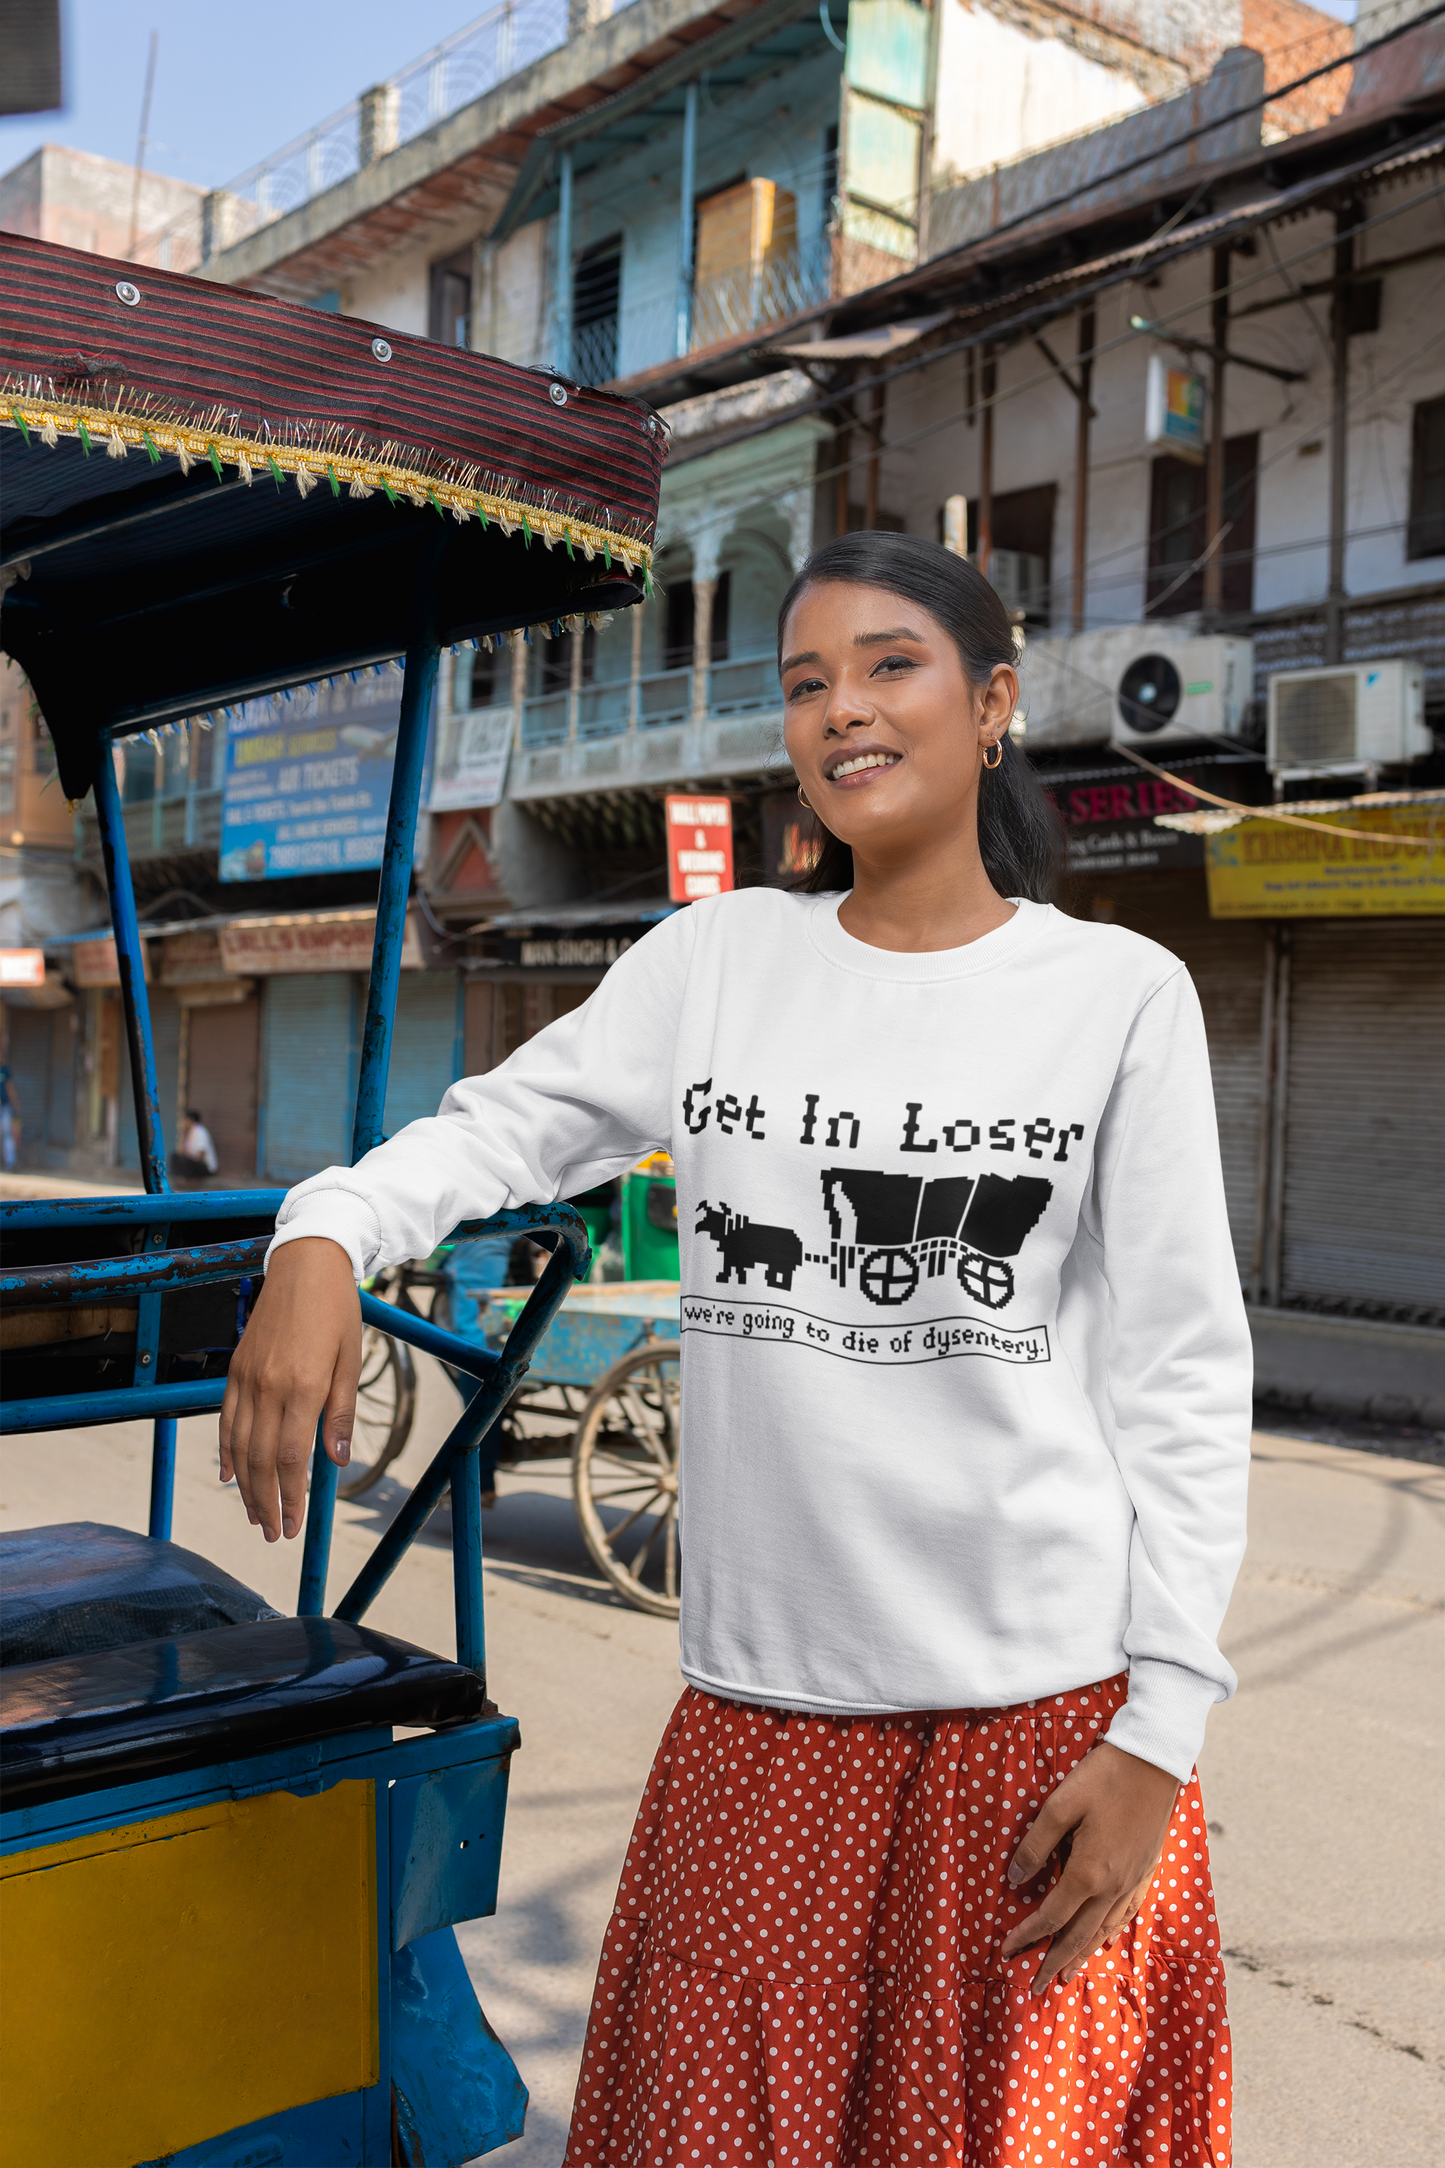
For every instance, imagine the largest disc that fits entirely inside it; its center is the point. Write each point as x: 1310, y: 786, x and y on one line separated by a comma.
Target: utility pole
x: 1346, y: 219
x: 142, y: 144
x: 1214, y: 471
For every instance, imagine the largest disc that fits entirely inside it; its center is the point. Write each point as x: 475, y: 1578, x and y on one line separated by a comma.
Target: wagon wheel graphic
x: 888, y: 1277
x: 987, y: 1279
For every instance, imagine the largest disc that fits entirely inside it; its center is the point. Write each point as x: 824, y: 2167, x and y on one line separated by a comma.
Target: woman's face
x: 883, y: 727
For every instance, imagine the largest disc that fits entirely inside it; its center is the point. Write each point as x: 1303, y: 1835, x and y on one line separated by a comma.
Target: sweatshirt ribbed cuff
x: 337, y: 1215
x: 1163, y: 1719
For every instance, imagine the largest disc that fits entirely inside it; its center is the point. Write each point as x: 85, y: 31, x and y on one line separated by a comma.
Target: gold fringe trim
x: 121, y: 433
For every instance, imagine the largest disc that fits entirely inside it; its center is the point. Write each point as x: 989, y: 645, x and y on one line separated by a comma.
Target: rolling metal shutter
x: 426, y: 1047
x: 1364, y: 1167
x: 311, y: 1026
x: 166, y: 1042
x: 223, y: 1079
x: 28, y: 1043
x: 64, y: 1039
x: 1226, y: 960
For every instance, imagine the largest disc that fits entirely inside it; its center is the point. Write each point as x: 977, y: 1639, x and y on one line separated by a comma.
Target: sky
x: 233, y: 82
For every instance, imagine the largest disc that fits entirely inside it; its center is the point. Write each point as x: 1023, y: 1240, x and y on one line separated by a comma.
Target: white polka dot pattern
x: 802, y: 1970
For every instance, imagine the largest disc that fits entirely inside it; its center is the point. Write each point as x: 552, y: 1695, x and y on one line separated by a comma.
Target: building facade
x: 931, y: 269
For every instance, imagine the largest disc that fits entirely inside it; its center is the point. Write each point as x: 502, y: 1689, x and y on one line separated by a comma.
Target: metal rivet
x: 381, y: 348
x: 145, y: 1358
x: 130, y: 295
x: 557, y: 393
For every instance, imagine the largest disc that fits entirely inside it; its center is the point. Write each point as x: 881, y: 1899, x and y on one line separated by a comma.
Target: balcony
x: 642, y: 731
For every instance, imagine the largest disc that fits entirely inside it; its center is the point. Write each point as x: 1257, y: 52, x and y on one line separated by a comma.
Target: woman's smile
x: 859, y: 765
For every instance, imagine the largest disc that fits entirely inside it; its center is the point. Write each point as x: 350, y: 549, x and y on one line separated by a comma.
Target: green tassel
x: 482, y: 516
x: 276, y: 474
x: 84, y: 435
x: 390, y: 492
x: 606, y: 556
x: 570, y: 551
x: 526, y: 530
x: 216, y: 463
x: 335, y: 485
x: 150, y: 444
x: 20, y: 422
x: 647, y: 581
x: 431, y: 493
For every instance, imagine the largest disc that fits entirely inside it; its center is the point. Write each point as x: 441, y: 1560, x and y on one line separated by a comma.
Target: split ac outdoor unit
x: 1136, y: 685
x: 1340, y: 720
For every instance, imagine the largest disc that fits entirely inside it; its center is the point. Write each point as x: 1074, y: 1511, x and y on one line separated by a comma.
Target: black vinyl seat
x: 116, y: 1716
x: 84, y: 1586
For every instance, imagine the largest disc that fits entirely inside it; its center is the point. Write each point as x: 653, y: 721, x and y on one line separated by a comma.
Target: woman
x: 920, y: 1873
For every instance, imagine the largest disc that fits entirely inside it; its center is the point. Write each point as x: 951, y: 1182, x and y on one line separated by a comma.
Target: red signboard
x: 699, y: 847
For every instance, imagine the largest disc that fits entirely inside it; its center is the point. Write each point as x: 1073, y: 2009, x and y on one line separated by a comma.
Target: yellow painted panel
x: 163, y: 1982
x: 1263, y: 869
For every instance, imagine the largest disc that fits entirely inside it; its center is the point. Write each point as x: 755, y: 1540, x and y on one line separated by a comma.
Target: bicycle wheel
x: 385, y: 1407
x: 624, y: 1477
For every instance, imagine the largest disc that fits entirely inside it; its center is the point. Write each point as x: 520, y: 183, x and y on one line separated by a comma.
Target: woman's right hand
x: 300, y: 1354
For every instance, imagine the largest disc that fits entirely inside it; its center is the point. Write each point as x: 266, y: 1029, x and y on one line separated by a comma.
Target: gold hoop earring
x: 997, y: 750
x: 803, y: 801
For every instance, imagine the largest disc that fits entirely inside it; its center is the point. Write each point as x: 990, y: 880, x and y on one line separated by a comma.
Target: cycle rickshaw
x: 209, y: 496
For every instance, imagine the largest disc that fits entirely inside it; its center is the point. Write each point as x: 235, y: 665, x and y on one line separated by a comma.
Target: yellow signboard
x: 1263, y: 869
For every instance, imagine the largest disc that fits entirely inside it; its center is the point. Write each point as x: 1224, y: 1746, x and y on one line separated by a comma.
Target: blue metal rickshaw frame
x: 461, y: 2094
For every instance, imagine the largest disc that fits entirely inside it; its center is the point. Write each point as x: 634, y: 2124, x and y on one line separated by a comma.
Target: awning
x: 876, y: 345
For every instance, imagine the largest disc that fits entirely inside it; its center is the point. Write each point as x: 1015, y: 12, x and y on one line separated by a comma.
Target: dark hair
x: 1018, y: 833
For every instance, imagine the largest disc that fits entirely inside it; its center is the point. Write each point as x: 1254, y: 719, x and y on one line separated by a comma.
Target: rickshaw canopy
x: 210, y: 494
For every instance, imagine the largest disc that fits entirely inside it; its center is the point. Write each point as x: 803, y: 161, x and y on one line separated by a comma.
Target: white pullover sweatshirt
x: 966, y: 1371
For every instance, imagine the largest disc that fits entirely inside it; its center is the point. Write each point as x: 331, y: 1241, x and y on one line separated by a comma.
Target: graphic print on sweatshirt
x: 900, y: 1240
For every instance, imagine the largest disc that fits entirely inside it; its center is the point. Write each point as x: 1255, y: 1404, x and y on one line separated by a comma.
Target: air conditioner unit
x: 1345, y: 719
x: 1136, y: 685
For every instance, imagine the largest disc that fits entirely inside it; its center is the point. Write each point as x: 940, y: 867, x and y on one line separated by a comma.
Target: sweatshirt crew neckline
x: 922, y: 966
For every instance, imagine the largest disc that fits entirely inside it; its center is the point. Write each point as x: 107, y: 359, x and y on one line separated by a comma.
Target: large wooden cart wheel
x: 624, y: 1477
x: 385, y: 1407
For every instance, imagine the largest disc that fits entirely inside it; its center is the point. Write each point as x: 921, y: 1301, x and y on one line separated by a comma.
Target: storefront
x: 526, y: 968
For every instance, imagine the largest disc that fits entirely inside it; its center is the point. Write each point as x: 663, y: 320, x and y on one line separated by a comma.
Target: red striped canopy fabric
x: 207, y: 494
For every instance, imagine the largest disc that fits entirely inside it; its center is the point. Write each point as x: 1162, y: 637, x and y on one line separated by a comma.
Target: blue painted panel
x: 446, y: 1848
x: 299, y: 1769
x: 333, y: 2131
x: 458, y: 2092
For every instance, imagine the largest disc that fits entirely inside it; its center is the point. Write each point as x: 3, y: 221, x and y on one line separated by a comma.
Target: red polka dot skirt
x: 803, y: 1970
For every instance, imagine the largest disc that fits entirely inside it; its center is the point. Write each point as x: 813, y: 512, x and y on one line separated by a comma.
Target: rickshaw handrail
x: 173, y: 1206
x: 153, y: 1271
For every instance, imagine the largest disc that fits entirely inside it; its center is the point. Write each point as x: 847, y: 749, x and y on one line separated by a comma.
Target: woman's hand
x: 300, y: 1353
x: 1107, y: 1821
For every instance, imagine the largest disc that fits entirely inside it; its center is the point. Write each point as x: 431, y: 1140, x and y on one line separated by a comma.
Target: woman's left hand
x: 1108, y: 1820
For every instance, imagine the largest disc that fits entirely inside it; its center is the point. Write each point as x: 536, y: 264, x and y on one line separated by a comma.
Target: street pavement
x: 1322, y: 1779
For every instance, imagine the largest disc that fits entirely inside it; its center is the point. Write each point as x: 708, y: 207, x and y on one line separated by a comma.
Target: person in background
x: 9, y: 1119
x: 197, y: 1155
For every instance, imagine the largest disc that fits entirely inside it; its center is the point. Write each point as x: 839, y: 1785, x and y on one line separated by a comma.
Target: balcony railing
x: 594, y: 351
x: 508, y: 38
x: 655, y: 700
x: 794, y: 280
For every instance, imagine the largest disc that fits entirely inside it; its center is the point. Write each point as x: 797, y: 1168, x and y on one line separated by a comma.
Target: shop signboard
x: 1174, y: 408
x: 1267, y: 869
x: 95, y: 963
x: 22, y: 967
x: 310, y: 941
x: 308, y: 776
x: 1110, y: 826
x: 699, y: 847
x: 475, y: 772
